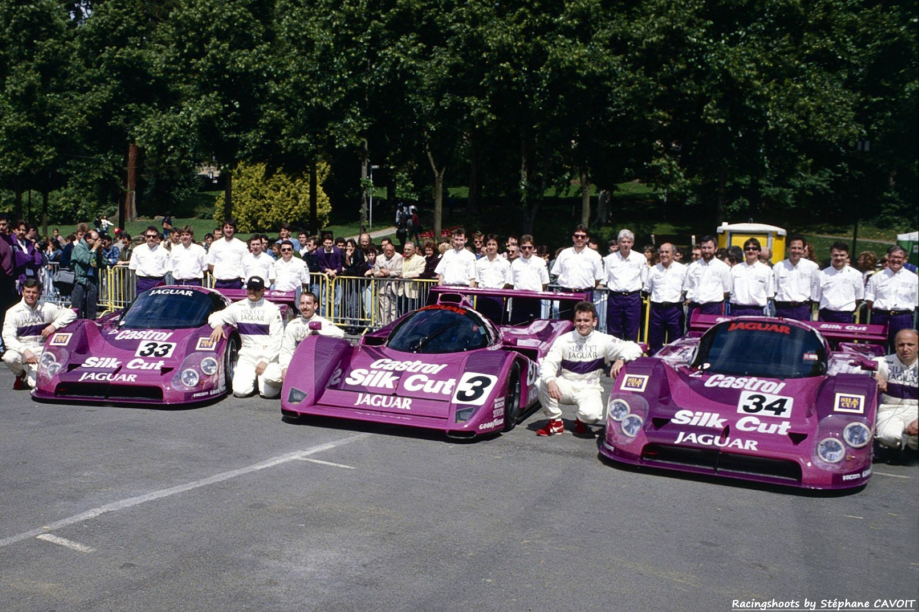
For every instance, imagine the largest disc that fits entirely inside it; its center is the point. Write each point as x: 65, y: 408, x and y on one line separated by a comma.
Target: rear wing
x: 497, y: 304
x: 833, y: 332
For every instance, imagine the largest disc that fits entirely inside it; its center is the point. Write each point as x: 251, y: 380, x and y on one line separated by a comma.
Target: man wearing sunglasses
x: 149, y: 261
x: 578, y: 268
x: 188, y: 261
x: 528, y: 273
x: 291, y: 273
x: 752, y: 283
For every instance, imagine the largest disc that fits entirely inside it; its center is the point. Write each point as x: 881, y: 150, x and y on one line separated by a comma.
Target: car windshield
x: 170, y: 308
x: 440, y: 329
x: 760, y: 348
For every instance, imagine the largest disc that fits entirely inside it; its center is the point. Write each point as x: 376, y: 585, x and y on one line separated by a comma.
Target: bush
x: 262, y: 202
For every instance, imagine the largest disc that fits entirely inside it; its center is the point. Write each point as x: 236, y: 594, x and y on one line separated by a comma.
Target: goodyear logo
x: 205, y: 344
x: 60, y: 339
x: 634, y: 382
x: 847, y: 402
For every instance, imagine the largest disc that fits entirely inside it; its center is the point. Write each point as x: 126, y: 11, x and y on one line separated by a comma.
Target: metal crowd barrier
x: 359, y: 303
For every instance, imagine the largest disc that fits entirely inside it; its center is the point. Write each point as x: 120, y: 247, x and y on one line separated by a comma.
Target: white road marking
x: 155, y: 495
x: 47, y: 537
x: 891, y: 475
x: 320, y: 462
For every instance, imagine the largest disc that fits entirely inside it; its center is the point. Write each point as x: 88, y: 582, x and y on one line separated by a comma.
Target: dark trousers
x: 8, y: 299
x: 147, y: 283
x: 232, y: 283
x: 796, y: 313
x: 190, y: 282
x: 665, y: 321
x: 85, y: 297
x: 834, y: 316
x: 746, y: 311
x: 894, y: 324
x: 623, y: 315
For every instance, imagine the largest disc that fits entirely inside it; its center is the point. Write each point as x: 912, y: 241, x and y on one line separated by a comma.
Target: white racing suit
x: 22, y: 331
x: 575, y: 363
x: 260, y: 328
x: 898, y: 404
x: 298, y: 329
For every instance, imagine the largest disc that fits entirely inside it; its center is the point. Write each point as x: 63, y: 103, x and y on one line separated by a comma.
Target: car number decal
x: 155, y: 349
x: 764, y: 404
x: 473, y: 388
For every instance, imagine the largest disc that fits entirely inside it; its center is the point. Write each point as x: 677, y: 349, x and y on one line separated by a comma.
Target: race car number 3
x: 473, y: 388
x: 155, y: 349
x: 764, y: 404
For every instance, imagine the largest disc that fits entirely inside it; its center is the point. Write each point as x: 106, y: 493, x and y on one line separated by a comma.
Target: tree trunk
x: 721, y: 197
x: 438, y: 194
x: 585, y: 198
x: 130, y: 192
x: 365, y: 162
x: 18, y: 208
x: 44, y: 212
x: 314, y: 200
x: 472, y: 201
x: 228, y: 194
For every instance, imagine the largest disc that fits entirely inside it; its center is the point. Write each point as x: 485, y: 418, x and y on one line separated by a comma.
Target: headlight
x: 189, y: 377
x: 856, y: 435
x: 631, y: 425
x: 47, y: 359
x: 49, y: 363
x: 209, y: 366
x: 831, y: 450
x: 618, y: 410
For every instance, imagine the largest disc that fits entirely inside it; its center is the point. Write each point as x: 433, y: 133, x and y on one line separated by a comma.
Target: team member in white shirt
x: 578, y: 268
x: 299, y: 328
x: 149, y: 261
x: 457, y: 265
x: 25, y: 327
x: 898, y: 383
x: 752, y: 283
x: 708, y: 281
x: 225, y: 258
x: 570, y: 372
x: 188, y: 261
x: 388, y: 266
x: 839, y: 289
x: 794, y: 282
x: 528, y: 273
x: 492, y: 271
x: 664, y: 285
x: 892, y: 294
x: 413, y: 265
x: 261, y: 329
x: 625, y: 274
x: 258, y: 263
x: 291, y: 271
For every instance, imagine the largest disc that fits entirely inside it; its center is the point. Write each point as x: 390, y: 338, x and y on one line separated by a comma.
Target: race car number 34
x: 763, y: 404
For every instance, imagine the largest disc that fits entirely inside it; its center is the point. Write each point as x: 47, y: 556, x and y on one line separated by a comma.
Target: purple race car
x: 770, y: 400
x: 156, y: 351
x: 446, y: 366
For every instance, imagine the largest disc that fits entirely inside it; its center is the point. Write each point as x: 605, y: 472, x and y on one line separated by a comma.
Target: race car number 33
x: 764, y: 404
x: 474, y: 388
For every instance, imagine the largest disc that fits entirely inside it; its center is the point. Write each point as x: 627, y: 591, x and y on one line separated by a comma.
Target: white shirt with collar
x: 795, y: 283
x: 188, y: 262
x: 492, y: 274
x: 578, y: 270
x: 298, y: 329
x: 838, y: 290
x: 23, y: 325
x: 149, y: 262
x: 752, y: 285
x: 529, y: 274
x: 457, y: 267
x: 262, y: 266
x: 707, y: 282
x: 625, y: 273
x: 290, y: 275
x: 227, y: 258
x: 891, y: 291
x: 665, y: 285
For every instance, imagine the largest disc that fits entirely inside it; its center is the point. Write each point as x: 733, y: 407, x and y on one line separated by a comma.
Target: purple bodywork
x: 470, y: 386
x: 106, y: 361
x: 670, y: 411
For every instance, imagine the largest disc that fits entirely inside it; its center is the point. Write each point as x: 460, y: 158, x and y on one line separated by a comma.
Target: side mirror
x: 315, y: 326
x: 866, y: 364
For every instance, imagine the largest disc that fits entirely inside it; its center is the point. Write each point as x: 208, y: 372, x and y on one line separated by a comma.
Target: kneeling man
x: 25, y: 328
x: 570, y: 373
x: 299, y: 328
x: 897, y: 381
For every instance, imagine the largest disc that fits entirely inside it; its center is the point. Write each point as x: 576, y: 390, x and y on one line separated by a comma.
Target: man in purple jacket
x: 8, y: 295
x: 330, y: 259
x: 27, y: 259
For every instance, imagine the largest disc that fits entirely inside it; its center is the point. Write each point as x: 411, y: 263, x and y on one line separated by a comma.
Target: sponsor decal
x: 532, y: 373
x: 751, y: 423
x: 407, y: 366
x: 155, y: 349
x: 199, y: 394
x: 380, y: 376
x: 205, y: 344
x: 839, y: 326
x: 634, y: 382
x: 767, y: 405
x: 60, y: 339
x: 712, y: 440
x: 492, y: 424
x: 421, y: 382
x: 497, y: 412
x: 133, y: 334
x: 455, y: 309
x: 184, y: 292
x: 140, y: 364
x: 864, y: 474
x: 473, y: 388
x: 714, y: 420
x: 848, y: 402
x: 759, y: 326
x: 107, y: 377
x: 383, y: 401
x: 102, y: 363
x: 810, y: 357
x: 749, y: 383
x: 378, y: 379
x: 499, y: 403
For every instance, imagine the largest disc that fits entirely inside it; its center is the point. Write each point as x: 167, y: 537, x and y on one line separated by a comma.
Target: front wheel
x: 230, y: 357
x: 512, y: 399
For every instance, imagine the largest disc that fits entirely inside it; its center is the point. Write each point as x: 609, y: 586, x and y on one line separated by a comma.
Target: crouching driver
x: 897, y: 381
x: 570, y: 372
x: 259, y: 324
x: 299, y: 328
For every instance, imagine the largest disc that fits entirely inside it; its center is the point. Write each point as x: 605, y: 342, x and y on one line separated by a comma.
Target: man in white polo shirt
x: 188, y: 261
x: 291, y: 272
x: 840, y: 288
x: 578, y: 268
x: 664, y: 285
x: 752, y: 283
x: 149, y: 261
x: 225, y: 258
x: 528, y: 273
x: 258, y: 263
x: 708, y: 281
x: 457, y: 265
x: 892, y: 294
x: 794, y: 282
x: 625, y: 273
x: 492, y: 271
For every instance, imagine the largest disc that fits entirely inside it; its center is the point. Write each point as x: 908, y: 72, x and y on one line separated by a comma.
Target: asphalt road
x: 229, y: 507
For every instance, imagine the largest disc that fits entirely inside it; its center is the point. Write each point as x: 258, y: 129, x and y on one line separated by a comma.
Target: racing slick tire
x: 230, y: 357
x: 512, y: 399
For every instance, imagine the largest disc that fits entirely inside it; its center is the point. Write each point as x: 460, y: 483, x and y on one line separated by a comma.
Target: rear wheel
x: 512, y: 399
x: 230, y: 357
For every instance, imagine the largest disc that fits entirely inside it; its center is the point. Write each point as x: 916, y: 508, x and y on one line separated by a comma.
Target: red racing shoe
x: 19, y: 384
x: 553, y: 428
x: 581, y: 429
